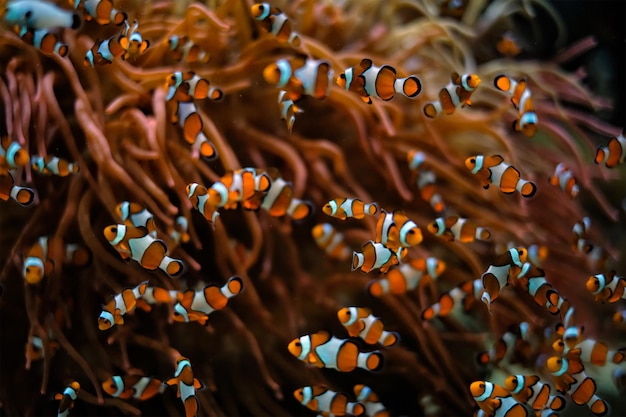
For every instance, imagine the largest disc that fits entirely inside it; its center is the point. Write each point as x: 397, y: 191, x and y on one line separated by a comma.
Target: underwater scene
x: 312, y: 208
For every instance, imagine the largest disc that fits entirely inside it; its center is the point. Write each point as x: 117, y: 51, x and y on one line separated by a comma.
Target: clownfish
x: 530, y: 390
x: 300, y: 76
x: 280, y: 201
x: 406, y: 277
x: 156, y: 295
x: 288, y: 109
x: 323, y: 350
x: 102, y: 11
x: 124, y: 302
x: 342, y: 208
x: 619, y: 379
x: 494, y: 400
x: 493, y: 170
x: 464, y: 295
x: 31, y: 14
x: 46, y: 253
x: 526, y: 121
x: 44, y: 40
x: 186, y: 86
x: 137, y: 243
x: 570, y: 378
x: 426, y: 180
x: 580, y: 233
x: 247, y: 186
x: 12, y: 155
x: 359, y: 322
x: 52, y: 165
x: 373, y: 406
x: 104, y: 52
x: 510, y: 263
x: 590, y: 351
x: 619, y: 318
x: 456, y: 93
x: 515, y: 337
x: 179, y: 232
x: 323, y: 400
x: 395, y: 230
x: 131, y: 40
x: 183, y: 49
x: 198, y: 195
x: 187, y: 116
x: 186, y: 386
x: 198, y: 305
x: 368, y: 80
x: 35, y: 349
x: 275, y: 21
x: 137, y: 387
x: 564, y: 179
x: 613, y: 153
x: 330, y: 241
x: 67, y: 398
x: 508, y: 45
x: 544, y: 294
x: 22, y: 195
x: 458, y: 228
x: 376, y: 256
x: 607, y: 288
x: 133, y: 214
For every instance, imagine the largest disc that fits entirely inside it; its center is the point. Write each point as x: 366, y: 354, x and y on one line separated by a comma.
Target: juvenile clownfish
x: 179, y: 232
x: 124, y: 302
x: 133, y: 214
x: 373, y: 406
x: 31, y: 14
x: 510, y: 263
x: 49, y: 252
x: 330, y: 241
x: 247, y: 186
x: 322, y: 400
x: 44, y: 40
x: 607, y: 288
x: 35, y: 349
x: 342, y: 208
x: 102, y: 11
x: 137, y: 387
x: 156, y: 295
x: 198, y: 305
x: 52, y: 165
x: 288, y: 109
x: 406, y: 277
x: 300, y: 76
x: 508, y: 45
x: 104, y: 52
x: 67, y: 398
x: 136, y: 243
x: 464, y: 295
x: 544, y: 294
x: 368, y: 80
x: 526, y: 121
x: 12, y: 155
x: 323, y: 350
x: 198, y: 195
x: 590, y: 351
x: 426, y: 180
x: 131, y: 41
x: 395, y: 230
x: 186, y: 86
x: 515, y: 337
x: 494, y: 400
x: 458, y: 228
x: 279, y: 200
x: 570, y: 378
x: 376, y: 256
x: 186, y: 386
x: 493, y: 170
x: 456, y: 93
x: 275, y: 21
x: 183, y: 49
x: 361, y: 323
x: 22, y: 195
x: 530, y: 390
x: 580, y: 234
x: 614, y: 153
x: 564, y: 179
x: 187, y: 116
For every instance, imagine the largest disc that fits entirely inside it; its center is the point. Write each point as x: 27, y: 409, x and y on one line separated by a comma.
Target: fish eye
x: 342, y: 76
x: 114, y: 229
x: 28, y: 14
x: 298, y: 344
x: 472, y: 160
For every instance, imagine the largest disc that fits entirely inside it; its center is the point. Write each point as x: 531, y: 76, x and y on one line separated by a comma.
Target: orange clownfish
x: 361, y: 323
x: 187, y: 116
x: 368, y: 80
x: 179, y: 232
x: 493, y: 170
x: 508, y: 45
x: 137, y: 387
x: 31, y: 14
x: 342, y: 208
x: 67, y: 398
x: 22, y: 195
x: 156, y: 295
x: 288, y: 109
x: 186, y: 386
x: 458, y: 228
x: 406, y: 277
x: 534, y: 281
x: 456, y: 93
x: 198, y: 305
x: 124, y: 302
x: 330, y: 241
x: 373, y: 406
x: 614, y: 153
x: 376, y: 256
x: 395, y: 230
x: 590, y: 351
x: 280, y: 201
x: 580, y: 234
x: 49, y: 252
x: 133, y: 214
x: 104, y: 52
x: 464, y: 295
x: 186, y: 86
x: 102, y: 11
x: 564, y: 178
x: 44, y: 40
x: 494, y: 400
x: 515, y: 337
x: 426, y: 180
x: 323, y: 350
x: 35, y: 349
x: 198, y: 195
x: 52, y: 165
x: 137, y: 243
x: 526, y: 121
x: 300, y: 76
x: 132, y: 41
x: 183, y: 49
x: 247, y: 186
x: 510, y: 263
x: 607, y: 288
x: 275, y: 21
x: 530, y: 390
x: 12, y: 155
x: 323, y: 400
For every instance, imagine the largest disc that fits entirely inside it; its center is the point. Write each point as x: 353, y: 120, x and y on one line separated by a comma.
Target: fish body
x: 426, y: 180
x: 186, y: 386
x: 464, y: 295
x: 406, y: 277
x: 198, y: 195
x: 131, y: 40
x: 376, y: 256
x: 275, y: 21
x: 395, y: 230
x: 607, y: 288
x: 458, y: 228
x: 530, y: 390
x: 495, y: 400
x: 279, y: 200
x: 12, y: 155
x: 22, y: 195
x: 456, y: 93
x: 44, y: 40
x: 360, y: 322
x: 67, y: 398
x: 330, y: 241
x: 133, y: 214
x: 156, y: 295
x: 564, y: 179
x: 198, y: 305
x: 342, y: 208
x: 248, y: 186
x: 32, y: 14
x: 510, y: 263
x: 614, y: 153
x: 179, y: 232
x: 48, y: 252
x: 124, y: 302
x: 323, y: 400
x: 104, y: 52
x: 373, y: 406
x: 493, y: 170
x: 137, y: 387
x: 300, y: 76
x: 53, y: 165
x: 184, y: 49
x: 288, y: 109
x: 187, y: 116
x: 534, y: 281
x: 187, y: 86
x: 102, y: 11
x: 526, y: 122
x: 580, y: 236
